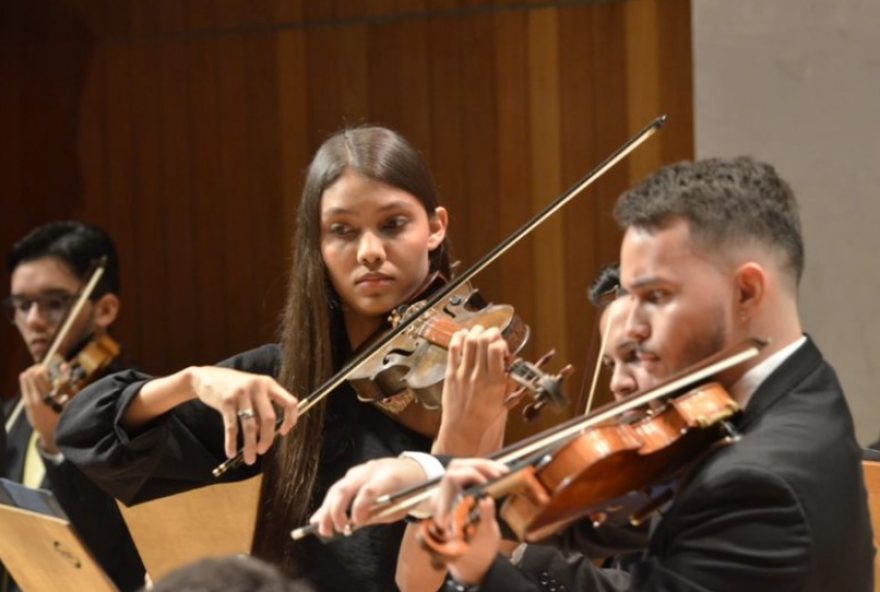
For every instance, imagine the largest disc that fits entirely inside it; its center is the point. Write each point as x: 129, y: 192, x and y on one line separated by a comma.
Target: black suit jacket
x: 784, y: 508
x: 3, y: 451
x: 92, y: 512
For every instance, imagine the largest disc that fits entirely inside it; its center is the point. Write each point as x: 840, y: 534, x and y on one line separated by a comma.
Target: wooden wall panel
x: 208, y: 289
x: 184, y: 127
x: 545, y: 154
x: 514, y: 174
x: 179, y: 250
x: 581, y: 218
x: 475, y: 224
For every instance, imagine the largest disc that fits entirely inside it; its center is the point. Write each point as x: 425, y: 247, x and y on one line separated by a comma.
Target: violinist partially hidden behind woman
x: 49, y: 268
x: 712, y: 255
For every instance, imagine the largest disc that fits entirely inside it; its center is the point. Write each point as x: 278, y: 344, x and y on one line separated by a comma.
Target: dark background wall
x: 183, y: 128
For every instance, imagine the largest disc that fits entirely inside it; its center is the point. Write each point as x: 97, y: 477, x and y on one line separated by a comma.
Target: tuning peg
x: 545, y: 358
x: 531, y: 411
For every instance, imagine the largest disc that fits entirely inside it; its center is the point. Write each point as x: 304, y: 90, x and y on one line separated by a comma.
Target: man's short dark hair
x: 77, y: 244
x: 606, y: 287
x: 725, y: 202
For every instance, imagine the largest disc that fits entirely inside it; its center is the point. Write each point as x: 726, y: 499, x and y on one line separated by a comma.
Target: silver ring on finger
x: 244, y: 414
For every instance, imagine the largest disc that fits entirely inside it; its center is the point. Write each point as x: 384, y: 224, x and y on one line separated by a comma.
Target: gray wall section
x: 797, y: 83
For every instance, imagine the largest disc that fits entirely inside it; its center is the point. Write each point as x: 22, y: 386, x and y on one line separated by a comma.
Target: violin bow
x: 333, y: 382
x: 73, y: 311
x: 603, y: 344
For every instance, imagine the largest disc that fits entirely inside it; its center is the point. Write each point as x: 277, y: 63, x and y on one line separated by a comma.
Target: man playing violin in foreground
x: 712, y: 254
x: 48, y: 267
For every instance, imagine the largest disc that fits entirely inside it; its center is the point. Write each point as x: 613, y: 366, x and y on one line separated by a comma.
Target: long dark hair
x: 312, y: 323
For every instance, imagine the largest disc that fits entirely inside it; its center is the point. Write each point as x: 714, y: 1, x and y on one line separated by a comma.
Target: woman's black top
x: 177, y: 451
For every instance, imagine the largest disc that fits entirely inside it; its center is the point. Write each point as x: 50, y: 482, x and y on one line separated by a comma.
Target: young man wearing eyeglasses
x: 48, y: 268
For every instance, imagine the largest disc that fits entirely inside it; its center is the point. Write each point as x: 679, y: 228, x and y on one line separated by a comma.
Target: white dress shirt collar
x: 746, y: 386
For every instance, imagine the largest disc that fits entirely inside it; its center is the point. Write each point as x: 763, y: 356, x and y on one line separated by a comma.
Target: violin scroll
x: 448, y: 544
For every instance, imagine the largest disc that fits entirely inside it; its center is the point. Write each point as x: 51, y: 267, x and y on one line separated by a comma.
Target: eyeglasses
x: 52, y: 306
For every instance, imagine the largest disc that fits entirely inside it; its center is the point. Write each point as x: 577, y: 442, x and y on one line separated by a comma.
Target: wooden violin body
x: 87, y: 365
x: 593, y: 471
x: 415, y: 361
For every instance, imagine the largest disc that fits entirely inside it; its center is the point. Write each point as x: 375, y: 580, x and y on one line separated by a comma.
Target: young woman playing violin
x: 369, y: 233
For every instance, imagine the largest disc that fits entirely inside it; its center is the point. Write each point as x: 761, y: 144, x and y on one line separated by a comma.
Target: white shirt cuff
x: 54, y: 459
x: 432, y: 467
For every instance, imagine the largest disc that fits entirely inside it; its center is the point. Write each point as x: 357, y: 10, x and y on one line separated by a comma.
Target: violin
x: 68, y: 377
x: 441, y: 295
x: 415, y: 361
x: 83, y: 368
x: 591, y: 472
x: 620, y: 447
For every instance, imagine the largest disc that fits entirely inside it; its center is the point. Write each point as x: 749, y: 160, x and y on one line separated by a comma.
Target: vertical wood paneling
x: 293, y: 91
x: 676, y: 83
x: 236, y: 219
x: 611, y: 98
x: 193, y: 122
x: 546, y: 151
x: 264, y: 188
x: 179, y: 251
x: 477, y: 223
x: 120, y: 178
x: 12, y: 171
x: 514, y: 172
x: 351, y: 76
x: 447, y: 138
x: 383, y: 66
x: 148, y: 210
x: 91, y: 148
x: 15, y: 220
x: 578, y: 87
x: 209, y: 229
x: 412, y: 85
x: 643, y: 81
x: 325, y: 105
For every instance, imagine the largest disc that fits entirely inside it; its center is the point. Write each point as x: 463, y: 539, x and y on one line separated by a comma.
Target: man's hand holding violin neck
x: 484, y: 542
x: 35, y: 386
